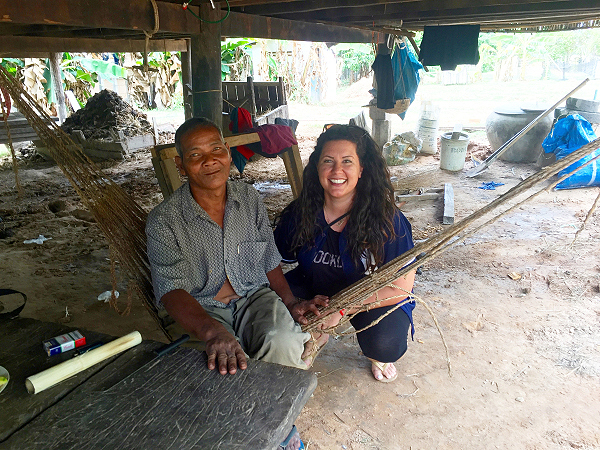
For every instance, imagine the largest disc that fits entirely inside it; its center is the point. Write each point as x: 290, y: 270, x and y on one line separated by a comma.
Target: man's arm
x: 222, y: 347
x: 297, y: 308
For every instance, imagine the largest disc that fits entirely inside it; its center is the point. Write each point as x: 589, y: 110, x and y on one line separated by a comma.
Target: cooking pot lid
x: 510, y: 110
x: 535, y: 107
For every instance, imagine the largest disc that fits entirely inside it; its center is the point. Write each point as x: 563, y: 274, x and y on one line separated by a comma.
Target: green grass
x: 4, y: 151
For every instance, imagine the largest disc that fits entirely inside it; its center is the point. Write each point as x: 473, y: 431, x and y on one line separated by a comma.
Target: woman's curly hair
x: 370, y: 223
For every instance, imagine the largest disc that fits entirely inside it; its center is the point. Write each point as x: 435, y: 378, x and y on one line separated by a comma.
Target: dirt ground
x: 525, y: 353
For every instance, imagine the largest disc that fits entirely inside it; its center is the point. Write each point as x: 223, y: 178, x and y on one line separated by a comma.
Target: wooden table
x: 127, y: 402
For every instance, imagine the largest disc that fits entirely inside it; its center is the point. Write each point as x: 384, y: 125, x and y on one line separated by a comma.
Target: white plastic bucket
x: 428, y: 132
x: 453, y: 151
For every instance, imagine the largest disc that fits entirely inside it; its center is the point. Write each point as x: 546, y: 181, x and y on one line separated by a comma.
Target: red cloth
x: 274, y: 139
x: 244, y: 123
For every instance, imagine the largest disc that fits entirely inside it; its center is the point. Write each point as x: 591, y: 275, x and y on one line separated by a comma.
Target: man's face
x: 206, y: 158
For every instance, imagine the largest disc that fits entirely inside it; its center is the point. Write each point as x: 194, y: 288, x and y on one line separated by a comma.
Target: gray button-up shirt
x: 188, y: 250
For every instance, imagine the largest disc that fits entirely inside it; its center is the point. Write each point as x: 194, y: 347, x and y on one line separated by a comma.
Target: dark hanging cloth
x: 292, y: 123
x: 384, y: 77
x: 450, y: 45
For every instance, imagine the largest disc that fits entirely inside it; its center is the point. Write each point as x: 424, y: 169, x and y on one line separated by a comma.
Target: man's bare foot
x: 384, y: 372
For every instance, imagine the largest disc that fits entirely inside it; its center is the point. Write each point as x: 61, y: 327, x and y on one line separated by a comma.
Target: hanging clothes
x: 384, y: 77
x: 405, y: 69
x: 240, y: 121
x: 450, y: 45
x: 274, y: 139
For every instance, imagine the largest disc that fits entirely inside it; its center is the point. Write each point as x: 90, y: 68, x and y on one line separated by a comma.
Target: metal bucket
x: 453, y: 151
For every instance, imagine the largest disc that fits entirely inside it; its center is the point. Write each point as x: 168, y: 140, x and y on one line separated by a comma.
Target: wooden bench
x: 129, y: 401
x: 265, y: 100
x: 20, y: 130
x: 168, y: 175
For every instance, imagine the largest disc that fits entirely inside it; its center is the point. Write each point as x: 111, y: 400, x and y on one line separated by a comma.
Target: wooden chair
x: 163, y: 160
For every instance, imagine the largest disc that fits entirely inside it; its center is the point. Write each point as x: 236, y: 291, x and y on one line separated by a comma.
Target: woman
x: 343, y: 225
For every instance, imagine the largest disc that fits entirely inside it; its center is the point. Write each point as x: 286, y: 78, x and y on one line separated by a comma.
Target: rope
x: 5, y: 111
x: 120, y: 218
x: 150, y: 34
x: 587, y: 218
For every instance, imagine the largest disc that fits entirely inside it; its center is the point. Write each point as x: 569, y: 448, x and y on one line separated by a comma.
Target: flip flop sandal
x: 293, y: 436
x: 382, y: 366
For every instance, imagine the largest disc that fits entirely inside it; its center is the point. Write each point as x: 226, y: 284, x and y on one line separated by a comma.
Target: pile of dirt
x: 105, y: 112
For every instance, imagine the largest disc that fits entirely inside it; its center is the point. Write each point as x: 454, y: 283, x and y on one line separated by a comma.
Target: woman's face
x: 339, y: 169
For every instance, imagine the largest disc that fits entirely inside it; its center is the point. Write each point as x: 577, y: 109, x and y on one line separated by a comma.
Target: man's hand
x: 225, y: 351
x: 301, y: 307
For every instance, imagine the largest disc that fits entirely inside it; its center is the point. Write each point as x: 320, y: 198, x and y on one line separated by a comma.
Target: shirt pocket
x: 252, y: 258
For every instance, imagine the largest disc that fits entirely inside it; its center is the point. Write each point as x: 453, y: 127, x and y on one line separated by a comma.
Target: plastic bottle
x: 427, y: 129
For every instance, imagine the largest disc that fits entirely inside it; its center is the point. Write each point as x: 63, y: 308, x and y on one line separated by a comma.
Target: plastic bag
x: 570, y: 134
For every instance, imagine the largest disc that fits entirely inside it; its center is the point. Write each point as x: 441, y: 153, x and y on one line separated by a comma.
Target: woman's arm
x: 390, y: 295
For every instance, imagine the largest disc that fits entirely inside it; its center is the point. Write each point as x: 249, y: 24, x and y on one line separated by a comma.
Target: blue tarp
x: 570, y: 134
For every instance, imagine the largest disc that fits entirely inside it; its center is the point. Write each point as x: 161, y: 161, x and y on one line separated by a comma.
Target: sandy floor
x: 524, y: 353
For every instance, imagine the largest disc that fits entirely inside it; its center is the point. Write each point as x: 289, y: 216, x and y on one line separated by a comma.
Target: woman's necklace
x: 336, y: 224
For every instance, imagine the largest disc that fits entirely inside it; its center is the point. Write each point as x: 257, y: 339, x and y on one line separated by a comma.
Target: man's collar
x: 191, y: 208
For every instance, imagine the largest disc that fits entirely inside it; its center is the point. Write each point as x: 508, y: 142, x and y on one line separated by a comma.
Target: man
x: 215, y: 266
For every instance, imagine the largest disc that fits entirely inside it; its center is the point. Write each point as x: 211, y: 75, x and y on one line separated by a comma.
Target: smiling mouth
x: 337, y: 181
x: 212, y: 173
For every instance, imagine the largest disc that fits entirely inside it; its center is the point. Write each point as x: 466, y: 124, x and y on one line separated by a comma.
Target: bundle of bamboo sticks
x: 120, y: 218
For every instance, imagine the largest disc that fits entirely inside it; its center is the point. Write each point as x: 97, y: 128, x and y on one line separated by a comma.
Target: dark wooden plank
x: 99, y: 14
x: 22, y: 354
x: 21, y: 46
x: 176, y: 402
x: 248, y: 25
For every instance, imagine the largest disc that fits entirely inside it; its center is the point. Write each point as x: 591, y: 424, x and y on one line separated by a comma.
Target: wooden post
x: 55, y: 72
x: 252, y: 95
x: 206, y: 67
x: 382, y: 131
x: 186, y: 80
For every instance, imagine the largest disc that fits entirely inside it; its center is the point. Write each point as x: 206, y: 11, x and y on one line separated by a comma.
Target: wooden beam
x: 275, y: 8
x: 138, y: 15
x: 247, y: 25
x: 186, y: 80
x: 118, y: 14
x: 21, y: 46
x: 207, y: 96
x: 442, y: 10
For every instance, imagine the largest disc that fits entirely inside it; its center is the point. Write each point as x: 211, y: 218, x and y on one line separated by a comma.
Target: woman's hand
x: 301, y: 307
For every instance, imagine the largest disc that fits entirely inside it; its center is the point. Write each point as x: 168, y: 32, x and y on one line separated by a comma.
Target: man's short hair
x: 190, y: 124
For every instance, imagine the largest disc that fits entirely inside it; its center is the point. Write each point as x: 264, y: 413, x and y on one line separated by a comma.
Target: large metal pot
x: 506, y: 121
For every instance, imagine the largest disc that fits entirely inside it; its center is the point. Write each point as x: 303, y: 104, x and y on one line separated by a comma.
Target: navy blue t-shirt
x: 326, y: 272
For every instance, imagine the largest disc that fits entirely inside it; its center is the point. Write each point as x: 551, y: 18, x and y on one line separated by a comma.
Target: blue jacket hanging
x: 405, y: 69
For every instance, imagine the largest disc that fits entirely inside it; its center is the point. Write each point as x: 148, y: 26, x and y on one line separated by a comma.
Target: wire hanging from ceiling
x: 186, y: 4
